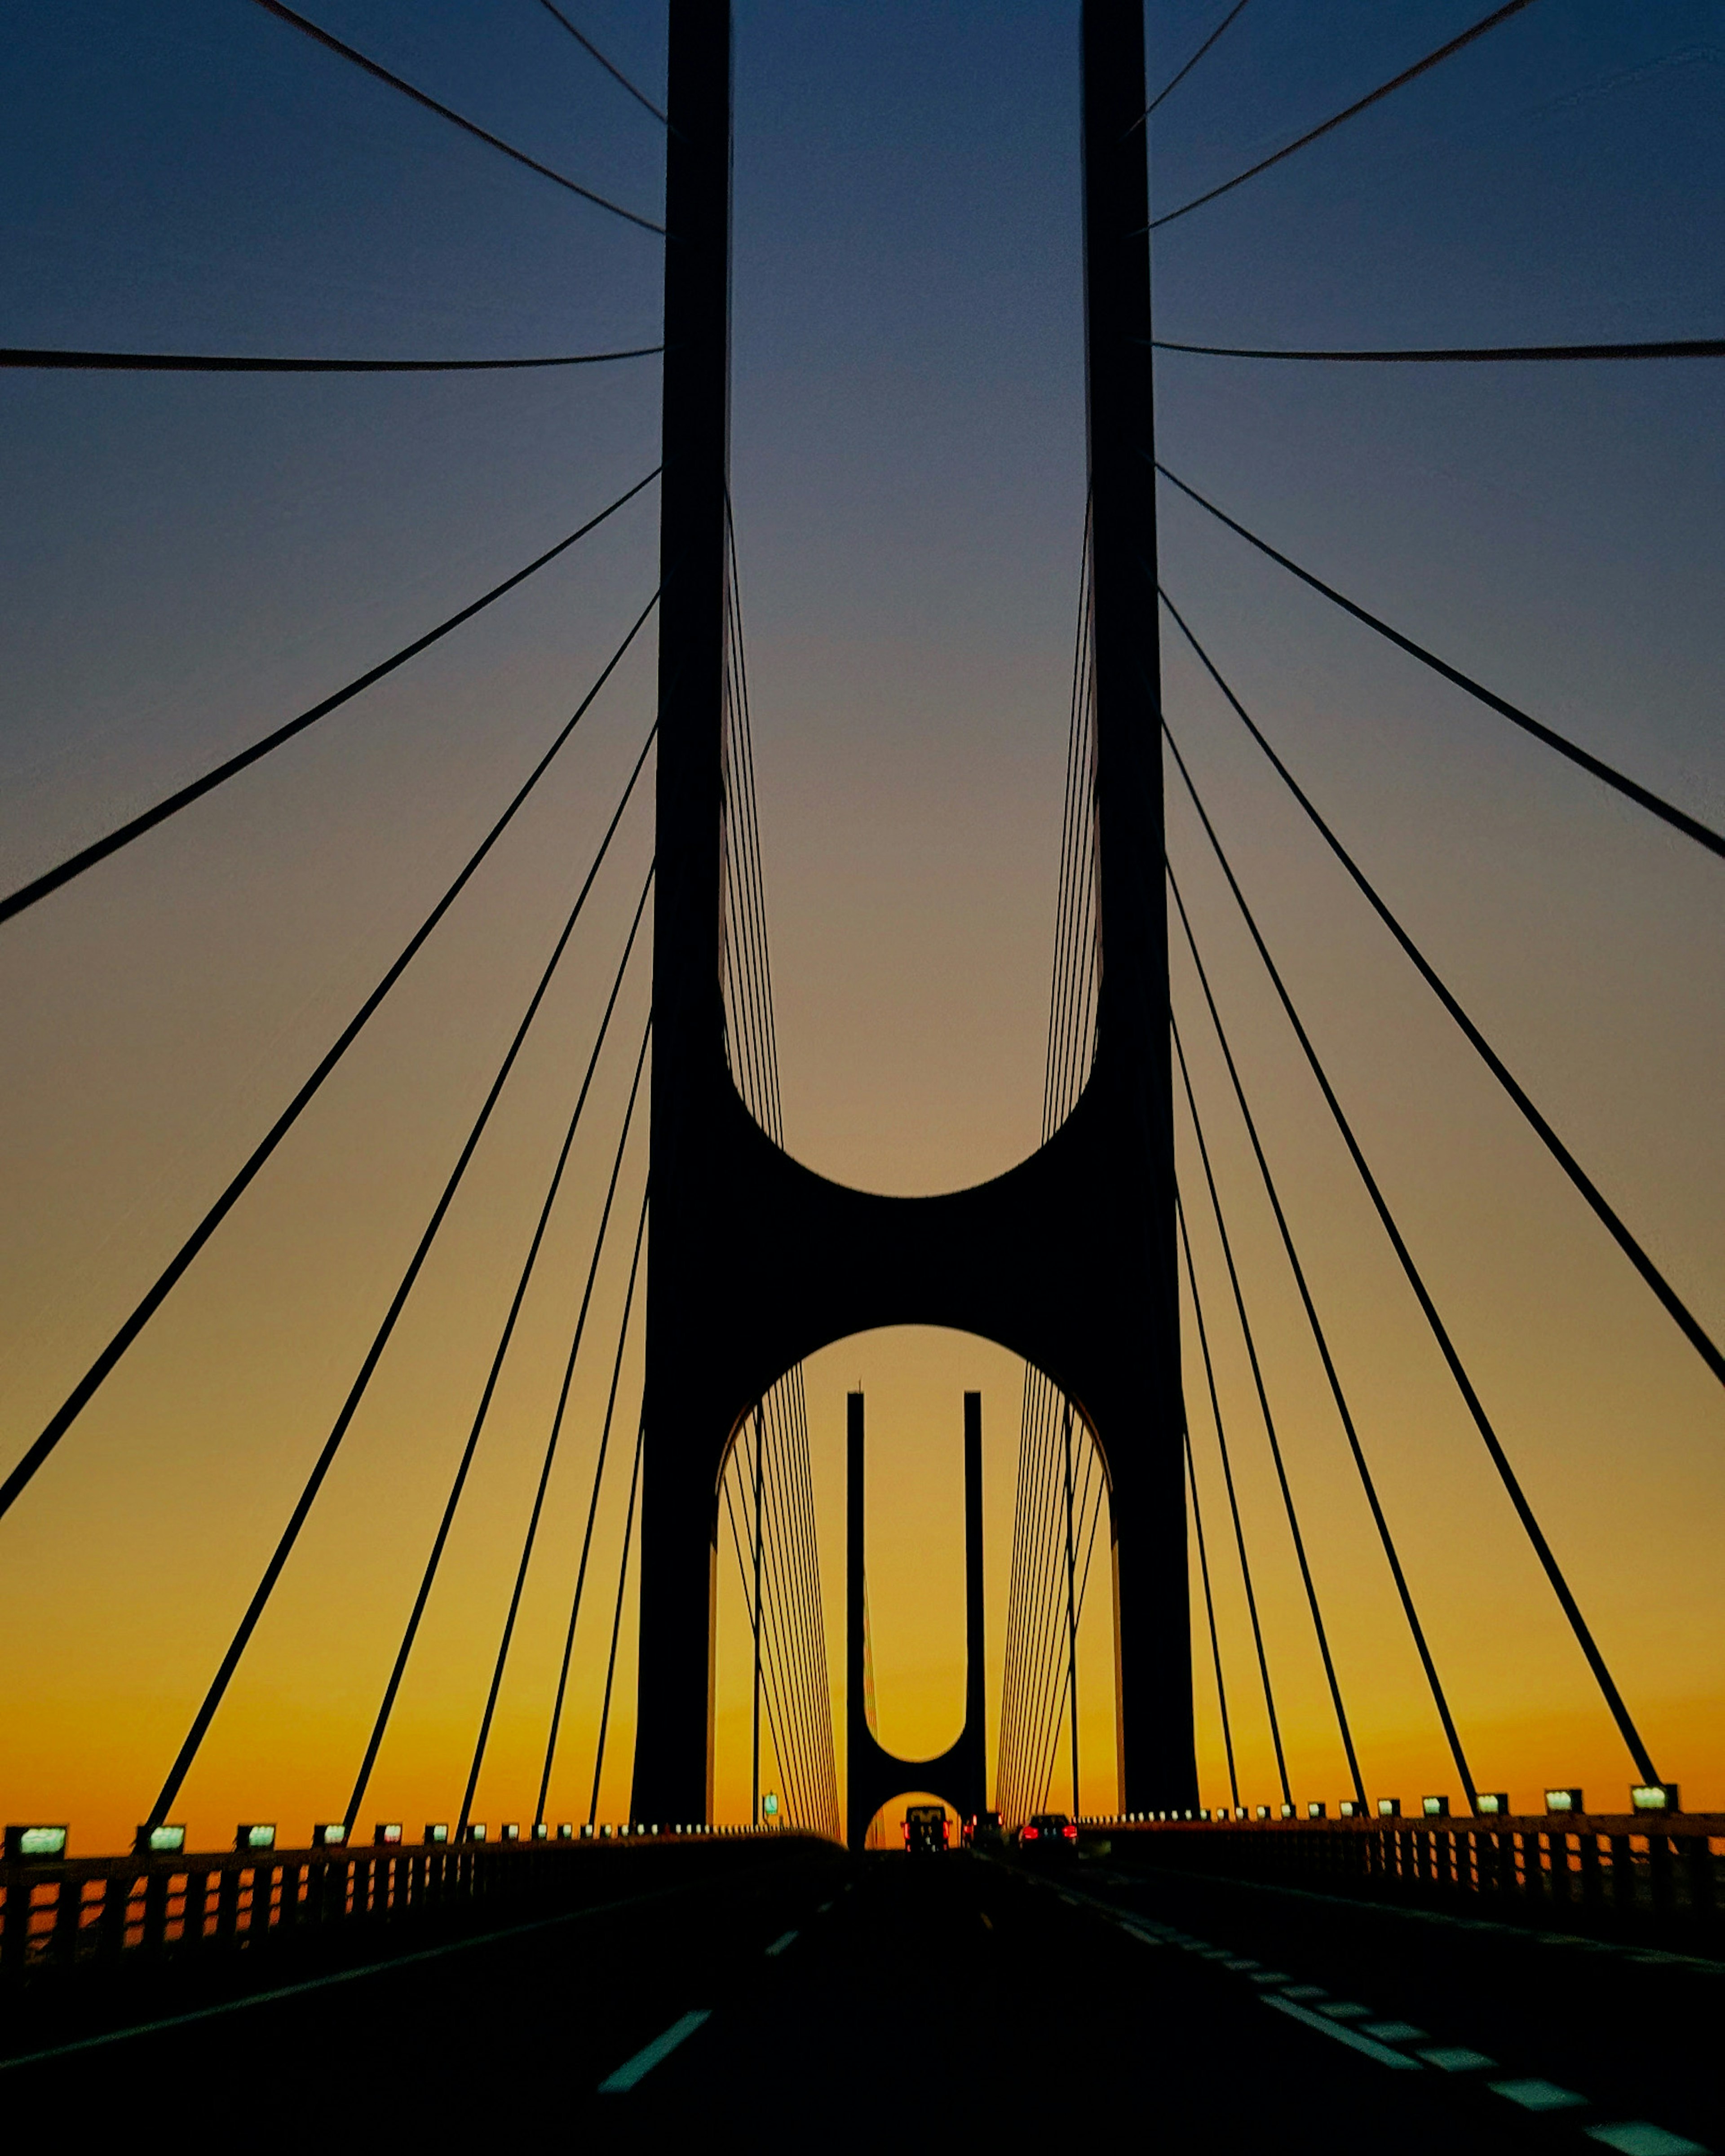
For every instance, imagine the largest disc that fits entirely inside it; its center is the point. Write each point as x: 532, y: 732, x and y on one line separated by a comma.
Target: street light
x: 1564, y: 1800
x: 34, y: 1844
x: 1655, y: 1797
x: 254, y: 1837
x: 159, y: 1840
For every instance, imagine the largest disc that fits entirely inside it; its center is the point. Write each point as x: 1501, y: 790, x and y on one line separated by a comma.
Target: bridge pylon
x: 755, y: 1261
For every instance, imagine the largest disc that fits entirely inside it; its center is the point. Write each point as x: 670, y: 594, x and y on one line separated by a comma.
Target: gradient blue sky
x: 189, y: 560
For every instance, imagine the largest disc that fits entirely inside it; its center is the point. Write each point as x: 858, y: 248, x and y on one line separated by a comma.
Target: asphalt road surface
x: 799, y: 1996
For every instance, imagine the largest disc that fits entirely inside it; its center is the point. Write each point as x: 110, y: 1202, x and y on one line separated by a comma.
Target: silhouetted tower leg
x: 672, y: 1776
x: 1138, y: 1410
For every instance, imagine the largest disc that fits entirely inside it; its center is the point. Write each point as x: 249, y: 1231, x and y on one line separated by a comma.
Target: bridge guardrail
x: 77, y: 1912
x: 1596, y: 1865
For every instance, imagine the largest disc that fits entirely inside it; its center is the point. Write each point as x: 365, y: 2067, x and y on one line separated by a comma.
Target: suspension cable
x: 1336, y: 120
x: 1282, y: 1472
x: 299, y: 21
x: 1367, y: 1483
x: 598, y: 1476
x: 411, y: 1630
x: 1245, y: 1568
x: 1629, y: 787
x: 35, y: 357
x: 99, y: 849
x: 528, y: 1540
x: 1453, y: 355
x: 615, y: 73
x: 93, y: 1378
x: 1209, y: 1611
x: 350, y: 1407
x: 1482, y: 1422
x: 1177, y: 79
x: 629, y: 1528
x: 1676, y: 1308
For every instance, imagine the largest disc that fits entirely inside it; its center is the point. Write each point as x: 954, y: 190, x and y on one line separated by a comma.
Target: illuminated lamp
x: 540, y: 1831
x: 254, y: 1837
x: 1262, y: 1812
x: 387, y: 1833
x: 1390, y: 1807
x: 1202, y: 1815
x: 1492, y: 1803
x: 1316, y: 1811
x: 1347, y: 1809
x: 512, y: 1832
x: 1287, y: 1811
x: 566, y: 1832
x: 159, y: 1840
x: 437, y: 1833
x: 1655, y: 1797
x: 1435, y: 1807
x: 475, y: 1830
x: 329, y: 1834
x: 1563, y: 1800
x: 35, y: 1845
x: 585, y: 1831
x: 1239, y: 1811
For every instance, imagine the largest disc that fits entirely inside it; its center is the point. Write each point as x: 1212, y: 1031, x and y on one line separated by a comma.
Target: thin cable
x: 51, y: 879
x: 782, y: 1757
x: 1245, y: 1570
x: 192, y: 362
x: 592, y: 1502
x: 1209, y: 1610
x: 1463, y: 355
x: 629, y: 1529
x: 1592, y: 764
x: 480, y: 134
x: 1281, y: 1473
x: 350, y: 1407
x: 528, y: 1541
x: 87, y: 1386
x: 1336, y: 120
x: 1452, y: 1737
x: 1676, y: 1308
x: 615, y: 73
x: 1482, y: 1422
x: 1175, y: 81
x: 410, y: 1631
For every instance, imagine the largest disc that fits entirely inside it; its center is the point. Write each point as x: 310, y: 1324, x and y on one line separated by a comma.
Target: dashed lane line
x: 1635, y: 2137
x: 626, y: 2076
x: 1355, y: 2042
x: 781, y: 1942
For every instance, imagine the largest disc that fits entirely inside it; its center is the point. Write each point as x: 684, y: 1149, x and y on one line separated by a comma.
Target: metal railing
x: 90, y: 1911
x: 1546, y: 1867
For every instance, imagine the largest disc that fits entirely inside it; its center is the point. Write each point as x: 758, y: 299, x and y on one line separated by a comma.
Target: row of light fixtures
x: 1644, y: 1797
x: 47, y: 1844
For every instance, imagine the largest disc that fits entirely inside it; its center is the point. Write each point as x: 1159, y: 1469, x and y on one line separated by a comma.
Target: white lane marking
x: 1243, y: 1967
x: 1276, y: 1976
x: 648, y: 2056
x: 334, y: 1977
x: 1636, y: 2138
x: 1456, y: 2059
x: 1532, y: 2094
x: 1393, y: 2032
x: 1344, y: 2009
x: 781, y: 1942
x: 1306, y: 1991
x: 1354, y: 2041
x: 823, y: 1909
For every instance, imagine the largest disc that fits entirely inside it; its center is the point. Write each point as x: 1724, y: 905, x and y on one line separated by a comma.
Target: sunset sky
x: 190, y: 560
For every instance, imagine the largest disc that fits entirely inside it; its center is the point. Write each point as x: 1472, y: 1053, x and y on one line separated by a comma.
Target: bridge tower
x: 873, y: 1775
x: 1067, y: 1259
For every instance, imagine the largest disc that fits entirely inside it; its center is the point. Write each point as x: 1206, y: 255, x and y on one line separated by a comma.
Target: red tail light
x: 1030, y: 1834
x: 1070, y: 1833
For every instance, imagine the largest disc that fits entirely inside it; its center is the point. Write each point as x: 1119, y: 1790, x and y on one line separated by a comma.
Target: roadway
x: 878, y: 2002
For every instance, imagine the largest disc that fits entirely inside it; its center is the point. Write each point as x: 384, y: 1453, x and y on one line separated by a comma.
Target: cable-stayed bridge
x: 732, y: 1950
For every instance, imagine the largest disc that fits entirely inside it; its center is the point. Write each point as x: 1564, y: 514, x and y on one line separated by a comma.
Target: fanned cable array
x: 1061, y: 1487
x: 768, y: 1487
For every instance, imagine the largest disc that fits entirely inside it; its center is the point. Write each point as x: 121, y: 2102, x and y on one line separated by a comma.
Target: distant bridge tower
x: 874, y: 1776
x: 1068, y: 1259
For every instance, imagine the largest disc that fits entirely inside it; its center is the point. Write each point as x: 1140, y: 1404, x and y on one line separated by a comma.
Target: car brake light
x: 1030, y: 1834
x: 1070, y: 1833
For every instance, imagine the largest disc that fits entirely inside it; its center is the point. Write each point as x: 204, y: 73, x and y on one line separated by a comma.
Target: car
x: 982, y: 1831
x: 1048, y: 1834
x: 925, y: 1830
